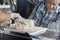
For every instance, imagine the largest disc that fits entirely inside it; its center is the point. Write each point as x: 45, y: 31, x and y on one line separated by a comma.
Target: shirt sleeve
x: 34, y: 2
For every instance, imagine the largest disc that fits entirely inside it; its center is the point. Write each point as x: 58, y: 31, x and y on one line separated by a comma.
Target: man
x: 45, y: 12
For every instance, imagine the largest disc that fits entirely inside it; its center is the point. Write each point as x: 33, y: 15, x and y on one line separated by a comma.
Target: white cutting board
x: 35, y: 31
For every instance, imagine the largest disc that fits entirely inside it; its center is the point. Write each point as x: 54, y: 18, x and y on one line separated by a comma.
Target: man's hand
x: 15, y: 16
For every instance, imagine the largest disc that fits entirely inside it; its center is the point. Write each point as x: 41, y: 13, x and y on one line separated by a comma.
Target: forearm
x: 4, y: 16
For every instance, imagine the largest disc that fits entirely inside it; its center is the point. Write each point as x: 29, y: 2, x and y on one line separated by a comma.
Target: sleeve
x: 13, y: 15
x: 37, y: 10
x: 34, y: 2
x: 37, y: 14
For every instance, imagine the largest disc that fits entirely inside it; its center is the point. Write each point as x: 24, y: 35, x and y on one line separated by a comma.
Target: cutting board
x: 34, y: 31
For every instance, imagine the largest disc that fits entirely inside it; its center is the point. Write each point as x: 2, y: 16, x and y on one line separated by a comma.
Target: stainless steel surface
x: 14, y: 36
x: 49, y: 35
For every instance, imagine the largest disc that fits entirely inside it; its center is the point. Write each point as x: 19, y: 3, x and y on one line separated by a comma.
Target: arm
x: 4, y: 16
